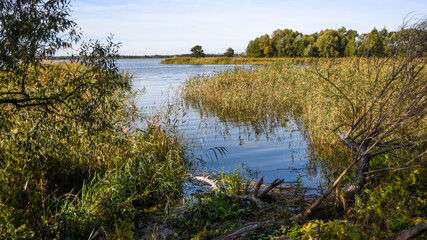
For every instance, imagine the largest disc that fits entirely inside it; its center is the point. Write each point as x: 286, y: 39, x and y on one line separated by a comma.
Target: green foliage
x: 73, y: 164
x: 268, y: 234
x: 208, y: 216
x: 408, y: 209
x: 236, y: 182
x: 376, y: 43
x: 229, y: 52
x: 329, y: 44
x: 31, y: 30
x: 331, y: 230
x: 197, y: 51
x: 254, y: 50
x: 88, y: 152
x: 326, y: 43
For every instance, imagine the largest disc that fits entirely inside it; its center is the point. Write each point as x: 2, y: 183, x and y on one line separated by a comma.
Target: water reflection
x: 268, y: 144
x: 273, y: 145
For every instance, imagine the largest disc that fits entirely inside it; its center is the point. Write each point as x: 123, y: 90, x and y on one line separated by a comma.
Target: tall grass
x: 81, y: 167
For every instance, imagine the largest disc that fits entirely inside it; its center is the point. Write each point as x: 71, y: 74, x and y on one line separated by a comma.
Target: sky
x: 168, y: 27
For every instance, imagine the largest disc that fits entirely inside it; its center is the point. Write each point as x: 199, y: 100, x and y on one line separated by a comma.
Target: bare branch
x: 308, y: 211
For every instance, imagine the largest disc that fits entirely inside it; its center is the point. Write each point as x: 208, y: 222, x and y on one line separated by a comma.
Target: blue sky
x: 147, y: 27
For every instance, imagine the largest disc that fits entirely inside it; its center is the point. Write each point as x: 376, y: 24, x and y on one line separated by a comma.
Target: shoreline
x: 235, y: 60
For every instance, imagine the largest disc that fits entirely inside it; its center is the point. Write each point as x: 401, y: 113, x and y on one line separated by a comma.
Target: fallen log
x: 410, y: 233
x: 244, y: 230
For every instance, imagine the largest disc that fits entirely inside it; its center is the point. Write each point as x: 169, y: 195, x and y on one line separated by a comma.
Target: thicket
x: 363, y: 112
x: 70, y: 169
x: 75, y: 162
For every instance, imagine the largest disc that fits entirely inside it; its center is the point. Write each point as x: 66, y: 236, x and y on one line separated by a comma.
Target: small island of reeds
x: 234, y: 60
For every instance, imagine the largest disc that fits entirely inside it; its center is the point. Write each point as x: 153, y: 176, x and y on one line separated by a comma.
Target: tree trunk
x: 359, y: 180
x: 364, y: 162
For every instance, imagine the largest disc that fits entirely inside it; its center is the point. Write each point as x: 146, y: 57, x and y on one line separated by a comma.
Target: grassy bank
x: 326, y: 96
x: 235, y: 60
x: 78, y: 166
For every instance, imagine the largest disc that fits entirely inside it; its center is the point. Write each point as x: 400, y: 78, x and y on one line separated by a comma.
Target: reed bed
x: 285, y: 90
x: 331, y: 94
x: 235, y: 60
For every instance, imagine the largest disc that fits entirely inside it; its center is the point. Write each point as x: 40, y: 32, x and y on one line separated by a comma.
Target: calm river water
x: 276, y: 152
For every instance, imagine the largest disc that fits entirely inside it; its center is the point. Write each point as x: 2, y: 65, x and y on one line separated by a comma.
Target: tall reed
x: 331, y: 94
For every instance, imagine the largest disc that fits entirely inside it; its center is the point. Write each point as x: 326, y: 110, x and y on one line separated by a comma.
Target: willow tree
x: 30, y: 32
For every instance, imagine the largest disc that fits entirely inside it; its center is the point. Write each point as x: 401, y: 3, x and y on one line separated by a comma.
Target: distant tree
x: 311, y: 50
x: 253, y: 49
x: 350, y: 43
x: 197, y: 51
x: 229, y: 52
x: 286, y: 45
x: 329, y: 44
x: 265, y: 45
x: 376, y: 43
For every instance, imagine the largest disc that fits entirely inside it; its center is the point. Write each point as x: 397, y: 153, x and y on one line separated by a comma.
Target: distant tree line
x: 326, y: 43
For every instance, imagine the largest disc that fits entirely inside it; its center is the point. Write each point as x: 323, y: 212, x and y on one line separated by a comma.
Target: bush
x: 71, y: 168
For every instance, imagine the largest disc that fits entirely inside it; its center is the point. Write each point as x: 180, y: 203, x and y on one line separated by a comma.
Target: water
x: 273, y: 152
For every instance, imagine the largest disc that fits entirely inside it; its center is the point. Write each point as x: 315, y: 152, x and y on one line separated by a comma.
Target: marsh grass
x: 284, y: 90
x: 84, y: 167
x: 236, y: 60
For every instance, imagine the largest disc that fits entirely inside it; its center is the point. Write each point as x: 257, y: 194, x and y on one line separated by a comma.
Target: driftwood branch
x: 243, y: 231
x: 274, y: 184
x: 410, y: 233
x: 252, y: 197
x: 212, y: 183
